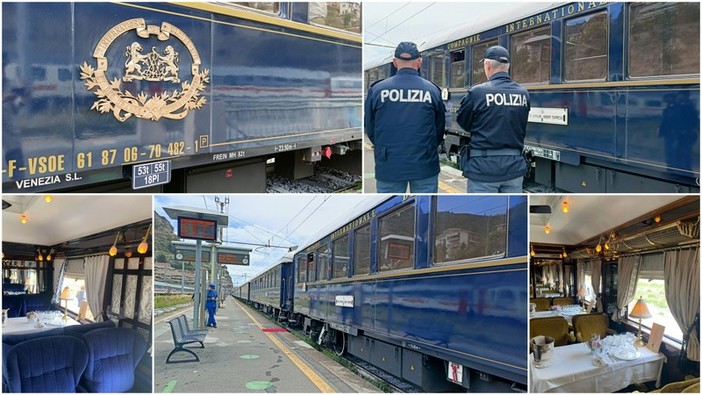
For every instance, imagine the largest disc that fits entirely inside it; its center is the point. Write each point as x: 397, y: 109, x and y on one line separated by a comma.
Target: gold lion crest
x: 156, y: 66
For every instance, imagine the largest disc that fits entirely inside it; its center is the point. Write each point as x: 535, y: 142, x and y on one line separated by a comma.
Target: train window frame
x: 327, y: 253
x: 588, y: 17
x: 338, y: 29
x: 451, y: 68
x: 434, y: 233
x: 476, y: 56
x: 277, y: 13
x: 513, y: 55
x: 409, y: 205
x: 333, y: 256
x: 356, y: 254
x: 431, y: 60
x: 301, y: 262
x: 628, y: 46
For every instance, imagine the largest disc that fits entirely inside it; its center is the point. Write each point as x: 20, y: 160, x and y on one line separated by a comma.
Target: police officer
x: 495, y: 113
x: 405, y: 121
x: 211, y: 305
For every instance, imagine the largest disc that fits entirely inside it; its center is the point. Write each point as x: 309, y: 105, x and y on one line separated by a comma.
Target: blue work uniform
x: 211, y: 306
x: 405, y: 120
x: 495, y: 113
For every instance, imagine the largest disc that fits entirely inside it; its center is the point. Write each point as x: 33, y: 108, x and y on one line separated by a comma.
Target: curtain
x: 596, y: 274
x: 95, y: 277
x: 682, y: 292
x: 627, y: 276
x: 59, y: 270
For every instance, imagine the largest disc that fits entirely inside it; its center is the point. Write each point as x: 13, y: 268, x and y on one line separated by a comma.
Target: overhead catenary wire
x: 405, y: 20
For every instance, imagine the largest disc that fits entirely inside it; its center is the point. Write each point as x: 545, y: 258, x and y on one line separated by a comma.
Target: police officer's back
x: 405, y: 120
x: 495, y: 113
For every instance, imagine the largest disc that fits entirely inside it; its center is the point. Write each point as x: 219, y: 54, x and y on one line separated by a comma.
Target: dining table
x: 574, y: 368
x: 565, y: 313
x: 22, y: 325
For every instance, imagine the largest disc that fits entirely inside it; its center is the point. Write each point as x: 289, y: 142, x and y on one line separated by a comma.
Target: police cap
x: 409, y: 49
x: 212, y: 285
x: 497, y: 53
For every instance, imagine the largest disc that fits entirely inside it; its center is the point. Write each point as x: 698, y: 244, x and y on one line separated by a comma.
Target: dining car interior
x: 614, y: 293
x: 76, y: 293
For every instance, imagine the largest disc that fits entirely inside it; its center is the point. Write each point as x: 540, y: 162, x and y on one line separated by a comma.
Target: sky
x: 281, y: 220
x: 413, y: 21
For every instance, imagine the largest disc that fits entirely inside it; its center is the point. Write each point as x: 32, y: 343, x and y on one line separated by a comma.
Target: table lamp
x: 65, y: 295
x: 640, y: 311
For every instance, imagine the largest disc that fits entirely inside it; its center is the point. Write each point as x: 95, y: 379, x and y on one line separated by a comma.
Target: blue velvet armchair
x: 45, y: 364
x: 114, y: 354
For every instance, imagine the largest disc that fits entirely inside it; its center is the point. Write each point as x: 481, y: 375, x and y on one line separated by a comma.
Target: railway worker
x: 211, y: 305
x: 405, y: 121
x: 495, y: 113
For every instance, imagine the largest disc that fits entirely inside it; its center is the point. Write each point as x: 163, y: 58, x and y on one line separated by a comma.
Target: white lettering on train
x: 405, y: 95
x: 506, y: 99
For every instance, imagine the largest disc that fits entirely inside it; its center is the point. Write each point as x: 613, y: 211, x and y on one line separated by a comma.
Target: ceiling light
x: 547, y: 229
x: 113, y: 249
x: 564, y: 207
x: 48, y: 198
x: 144, y: 246
x: 657, y: 219
x: 23, y: 218
x: 565, y: 255
x: 532, y: 253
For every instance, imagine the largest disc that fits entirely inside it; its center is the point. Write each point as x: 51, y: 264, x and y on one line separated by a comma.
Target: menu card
x: 655, y: 338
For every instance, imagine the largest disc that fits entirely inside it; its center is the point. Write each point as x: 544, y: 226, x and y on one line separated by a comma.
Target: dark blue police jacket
x: 405, y: 120
x: 495, y: 113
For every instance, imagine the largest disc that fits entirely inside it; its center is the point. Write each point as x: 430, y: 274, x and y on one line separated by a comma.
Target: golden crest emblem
x: 155, y: 66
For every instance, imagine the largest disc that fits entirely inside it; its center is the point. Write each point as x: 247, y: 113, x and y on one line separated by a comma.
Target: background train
x: 615, y: 90
x: 430, y: 289
x: 280, y: 90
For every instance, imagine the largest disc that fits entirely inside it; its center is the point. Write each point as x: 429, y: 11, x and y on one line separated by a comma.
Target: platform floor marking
x: 314, y: 377
x: 170, y: 386
x: 258, y: 385
x: 243, y: 341
x: 302, y: 344
x: 449, y: 188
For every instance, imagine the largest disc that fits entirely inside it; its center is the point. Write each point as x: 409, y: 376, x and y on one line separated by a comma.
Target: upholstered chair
x: 542, y: 304
x: 587, y: 325
x: 556, y: 327
x: 114, y: 354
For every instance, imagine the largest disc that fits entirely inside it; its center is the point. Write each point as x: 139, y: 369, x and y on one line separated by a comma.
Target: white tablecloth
x: 21, y: 325
x: 573, y: 370
x: 567, y: 314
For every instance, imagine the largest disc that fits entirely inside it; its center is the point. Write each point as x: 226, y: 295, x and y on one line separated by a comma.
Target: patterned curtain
x: 682, y: 292
x: 627, y: 276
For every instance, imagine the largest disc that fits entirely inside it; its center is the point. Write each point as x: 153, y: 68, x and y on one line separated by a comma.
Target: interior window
x: 341, y: 257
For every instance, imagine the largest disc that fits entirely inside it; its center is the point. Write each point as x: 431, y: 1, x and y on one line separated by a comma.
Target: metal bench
x: 182, y: 335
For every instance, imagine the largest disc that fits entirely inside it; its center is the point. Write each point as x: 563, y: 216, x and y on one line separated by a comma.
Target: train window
x: 651, y: 285
x: 531, y: 56
x: 340, y: 261
x: 311, y: 268
x: 301, y: 270
x: 64, y: 74
x: 586, y: 47
x: 339, y: 15
x: 361, y: 252
x: 467, y: 227
x: 38, y: 73
x: 74, y: 280
x: 24, y: 277
x: 267, y: 6
x: 664, y: 39
x: 397, y: 240
x: 323, y: 263
x: 437, y: 75
x: 458, y: 69
x: 478, y: 52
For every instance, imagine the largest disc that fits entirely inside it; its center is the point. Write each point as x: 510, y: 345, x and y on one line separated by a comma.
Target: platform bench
x: 182, y: 335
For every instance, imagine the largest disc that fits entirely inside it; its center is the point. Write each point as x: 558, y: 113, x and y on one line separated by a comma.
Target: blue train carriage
x: 218, y: 89
x: 615, y: 90
x: 429, y: 289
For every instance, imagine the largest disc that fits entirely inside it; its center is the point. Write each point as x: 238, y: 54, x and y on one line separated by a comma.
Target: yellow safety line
x: 314, y: 377
x: 449, y: 188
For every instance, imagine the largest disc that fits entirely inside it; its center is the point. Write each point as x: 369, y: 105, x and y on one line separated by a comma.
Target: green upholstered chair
x: 685, y: 386
x: 556, y: 327
x: 542, y: 304
x: 587, y: 325
x: 563, y: 301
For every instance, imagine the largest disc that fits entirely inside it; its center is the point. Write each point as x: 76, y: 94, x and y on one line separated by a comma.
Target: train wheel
x: 340, y: 343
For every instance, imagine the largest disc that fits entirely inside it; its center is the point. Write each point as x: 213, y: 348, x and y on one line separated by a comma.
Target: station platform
x: 248, y: 353
x: 451, y: 180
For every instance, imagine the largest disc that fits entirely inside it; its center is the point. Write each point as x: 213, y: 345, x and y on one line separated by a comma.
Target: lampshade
x: 582, y: 292
x: 65, y: 294
x: 640, y: 310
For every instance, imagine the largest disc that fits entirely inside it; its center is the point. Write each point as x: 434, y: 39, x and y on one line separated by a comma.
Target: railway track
x: 324, y: 180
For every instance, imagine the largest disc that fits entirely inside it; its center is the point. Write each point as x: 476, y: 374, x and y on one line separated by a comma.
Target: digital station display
x: 198, y: 229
